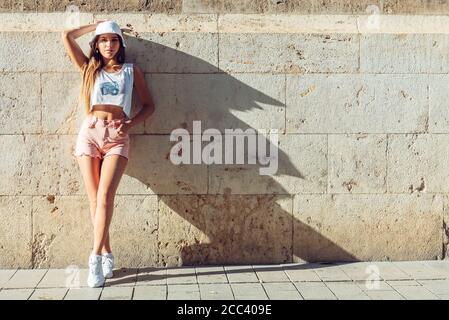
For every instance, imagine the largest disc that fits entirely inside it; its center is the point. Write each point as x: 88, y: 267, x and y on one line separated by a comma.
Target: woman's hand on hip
x: 124, y: 127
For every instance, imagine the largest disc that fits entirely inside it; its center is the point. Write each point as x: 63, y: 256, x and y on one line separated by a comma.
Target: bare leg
x: 90, y: 170
x: 112, y: 171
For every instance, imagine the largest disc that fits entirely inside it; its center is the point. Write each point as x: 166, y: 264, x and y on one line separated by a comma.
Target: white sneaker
x: 95, y: 277
x: 108, y: 264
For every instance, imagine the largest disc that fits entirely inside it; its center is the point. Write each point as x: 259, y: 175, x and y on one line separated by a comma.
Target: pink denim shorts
x: 99, y: 138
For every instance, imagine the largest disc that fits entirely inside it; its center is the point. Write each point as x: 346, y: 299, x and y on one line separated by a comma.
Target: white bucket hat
x: 109, y: 27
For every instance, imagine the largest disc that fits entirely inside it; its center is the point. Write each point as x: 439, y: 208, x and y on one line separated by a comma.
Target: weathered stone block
x: 438, y: 97
x: 245, y: 6
x: 224, y: 229
x: 418, y: 163
x: 20, y: 109
x: 135, y: 225
x: 357, y: 163
x: 43, y: 22
x: 15, y: 232
x: 62, y: 234
x: 60, y: 222
x: 53, y: 5
x: 61, y: 109
x: 157, y: 23
x: 367, y: 227
x: 395, y: 53
x: 415, y: 6
x: 70, y: 180
x: 177, y: 52
x: 23, y: 5
x: 301, y: 168
x: 402, y: 24
x: 15, y: 169
x: 36, y: 52
x: 289, y: 53
x: 38, y: 164
x: 150, y: 169
x: 46, y: 157
x: 123, y: 6
x: 328, y: 6
x: 357, y: 103
x: 218, y: 101
x: 275, y: 23
x: 5, y: 6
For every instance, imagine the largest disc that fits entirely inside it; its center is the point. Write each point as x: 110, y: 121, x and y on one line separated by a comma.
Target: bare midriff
x: 107, y: 112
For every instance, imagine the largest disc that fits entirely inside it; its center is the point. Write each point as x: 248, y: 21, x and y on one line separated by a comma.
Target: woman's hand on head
x: 97, y: 22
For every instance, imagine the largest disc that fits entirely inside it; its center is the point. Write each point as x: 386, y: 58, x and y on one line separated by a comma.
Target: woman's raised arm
x: 73, y: 49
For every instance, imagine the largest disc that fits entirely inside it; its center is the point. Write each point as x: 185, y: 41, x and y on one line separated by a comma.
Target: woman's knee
x: 93, y: 204
x: 105, y: 198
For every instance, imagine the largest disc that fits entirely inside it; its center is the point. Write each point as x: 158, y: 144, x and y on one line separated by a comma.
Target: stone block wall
x: 233, y: 6
x: 362, y: 122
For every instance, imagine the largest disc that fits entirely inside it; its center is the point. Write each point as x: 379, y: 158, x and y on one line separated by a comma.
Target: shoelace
x: 108, y: 261
x: 94, y: 267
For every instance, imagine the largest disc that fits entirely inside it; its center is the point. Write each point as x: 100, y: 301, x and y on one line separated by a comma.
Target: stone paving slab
x: 49, y: 294
x: 384, y: 295
x: 181, y: 275
x: 117, y: 293
x: 124, y: 277
x: 237, y: 274
x: 5, y: 275
x: 403, y: 283
x: 150, y: 292
x: 347, y: 291
x: 315, y: 291
x: 389, y: 271
x: 418, y: 270
x: 216, y: 291
x: 15, y: 294
x: 373, y: 285
x: 83, y: 294
x: 183, y: 291
x: 151, y: 276
x: 415, y: 293
x: 282, y: 291
x: 25, y: 278
x: 248, y: 291
x: 211, y: 274
x: 441, y: 266
x: 298, y: 273
x: 438, y: 287
x: 59, y: 278
x: 309, y: 281
x: 359, y: 270
x: 270, y: 273
x: 332, y: 273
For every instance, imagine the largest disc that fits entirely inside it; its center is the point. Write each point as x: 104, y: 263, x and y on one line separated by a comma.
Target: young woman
x: 102, y: 146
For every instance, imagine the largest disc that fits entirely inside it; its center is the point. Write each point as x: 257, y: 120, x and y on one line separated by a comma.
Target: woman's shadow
x: 223, y: 214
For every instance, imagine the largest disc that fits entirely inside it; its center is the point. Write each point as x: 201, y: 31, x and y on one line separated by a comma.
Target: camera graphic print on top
x: 111, y: 88
x: 114, y: 88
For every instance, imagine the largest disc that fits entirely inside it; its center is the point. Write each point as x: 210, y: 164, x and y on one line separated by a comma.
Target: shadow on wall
x: 208, y: 215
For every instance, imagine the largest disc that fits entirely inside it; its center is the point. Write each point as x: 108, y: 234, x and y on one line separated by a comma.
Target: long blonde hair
x: 91, y: 70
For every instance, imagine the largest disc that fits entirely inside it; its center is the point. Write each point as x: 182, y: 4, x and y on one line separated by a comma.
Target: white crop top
x: 114, y: 88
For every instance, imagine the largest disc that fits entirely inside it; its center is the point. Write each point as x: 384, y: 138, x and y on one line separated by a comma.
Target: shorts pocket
x: 115, y: 136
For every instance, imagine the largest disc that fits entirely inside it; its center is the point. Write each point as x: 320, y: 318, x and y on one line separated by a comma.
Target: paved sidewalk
x: 361, y: 280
